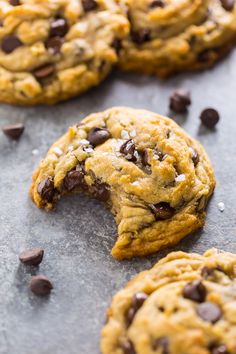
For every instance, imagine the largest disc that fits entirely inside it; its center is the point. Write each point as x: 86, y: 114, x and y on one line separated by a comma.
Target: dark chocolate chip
x: 163, y: 343
x: 54, y: 44
x: 117, y: 45
x: 137, y: 302
x: 46, y: 189
x: 128, y: 347
x: 141, y: 36
x: 97, y: 136
x: 74, y: 179
x: 228, y: 5
x: 206, y: 271
x: 44, y: 71
x: 209, y: 117
x: 128, y: 149
x: 195, y: 157
x: 195, y: 291
x: 219, y: 350
x: 144, y: 157
x: 162, y: 211
x: 180, y: 100
x: 101, y: 191
x: 32, y: 257
x: 89, y: 5
x: 205, y: 55
x: 209, y: 312
x: 58, y: 28
x: 13, y: 131
x: 160, y: 156
x: 10, y: 43
x: 157, y: 3
x: 15, y: 2
x: 40, y: 285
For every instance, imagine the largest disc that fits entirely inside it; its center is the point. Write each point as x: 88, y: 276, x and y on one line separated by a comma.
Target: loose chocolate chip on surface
x: 157, y: 3
x: 44, y: 71
x: 46, y: 189
x: 128, y: 149
x: 54, y: 44
x: 195, y: 156
x: 10, y: 43
x: 209, y: 312
x: 141, y: 36
x: 13, y: 131
x: 163, y: 343
x: 219, y: 350
x: 137, y: 302
x: 195, y: 291
x: 180, y: 100
x: 101, y: 191
x: 162, y: 211
x: 74, y: 179
x: 58, y: 28
x: 209, y: 117
x: 40, y: 285
x: 228, y: 5
x: 97, y: 136
x: 15, y: 2
x: 89, y: 5
x: 32, y: 257
x: 128, y: 347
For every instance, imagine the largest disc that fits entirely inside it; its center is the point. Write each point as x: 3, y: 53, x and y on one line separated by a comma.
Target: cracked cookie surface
x: 155, y: 178
x: 51, y: 50
x: 168, y: 36
x: 185, y: 304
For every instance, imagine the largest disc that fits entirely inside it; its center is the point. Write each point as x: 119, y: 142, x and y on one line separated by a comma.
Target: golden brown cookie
x: 155, y: 178
x: 51, y: 50
x: 185, y: 304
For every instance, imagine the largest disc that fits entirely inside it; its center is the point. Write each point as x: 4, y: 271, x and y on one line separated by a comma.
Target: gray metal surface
x: 78, y: 236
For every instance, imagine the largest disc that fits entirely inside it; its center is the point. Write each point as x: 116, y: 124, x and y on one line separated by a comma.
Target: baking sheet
x: 78, y: 236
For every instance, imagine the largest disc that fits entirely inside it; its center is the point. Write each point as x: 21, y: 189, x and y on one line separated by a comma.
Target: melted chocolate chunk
x: 209, y: 312
x: 101, y: 191
x: 128, y: 149
x: 228, y: 5
x: 32, y: 257
x: 162, y: 211
x: 10, y: 43
x: 141, y: 36
x: 157, y: 3
x: 209, y: 117
x: 54, y: 44
x: 98, y: 136
x: 89, y: 5
x: 163, y: 343
x: 46, y: 189
x: 180, y: 100
x: 15, y: 2
x: 40, y: 285
x: 128, y: 347
x: 195, y: 291
x: 58, y: 28
x: 137, y: 302
x: 74, y: 179
x: 44, y: 71
x: 144, y: 157
x: 13, y: 131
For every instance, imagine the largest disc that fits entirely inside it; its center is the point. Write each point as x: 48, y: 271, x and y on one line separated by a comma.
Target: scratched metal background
x: 78, y: 236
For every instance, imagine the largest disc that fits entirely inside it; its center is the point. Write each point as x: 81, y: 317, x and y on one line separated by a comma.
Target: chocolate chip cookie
x: 155, y: 178
x: 168, y: 36
x: 186, y: 304
x: 54, y: 49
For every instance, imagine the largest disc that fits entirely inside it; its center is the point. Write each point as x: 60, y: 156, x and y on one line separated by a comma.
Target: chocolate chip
x: 15, y: 2
x: 209, y: 312
x: 44, y: 71
x: 206, y: 271
x: 195, y: 156
x: 32, y: 257
x: 228, y: 5
x: 117, y: 45
x: 128, y: 149
x: 54, y: 44
x: 128, y: 347
x: 137, y: 301
x: 10, y: 43
x: 74, y: 179
x: 58, y: 28
x: 159, y: 155
x: 89, y: 5
x: 162, y: 211
x: 163, y: 343
x: 141, y: 36
x: 40, y: 285
x: 205, y: 55
x: 209, y: 117
x: 101, y: 191
x: 157, y: 3
x: 180, y: 100
x: 97, y: 136
x: 13, y: 131
x: 219, y: 350
x: 195, y: 291
x: 144, y: 157
x: 46, y: 189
